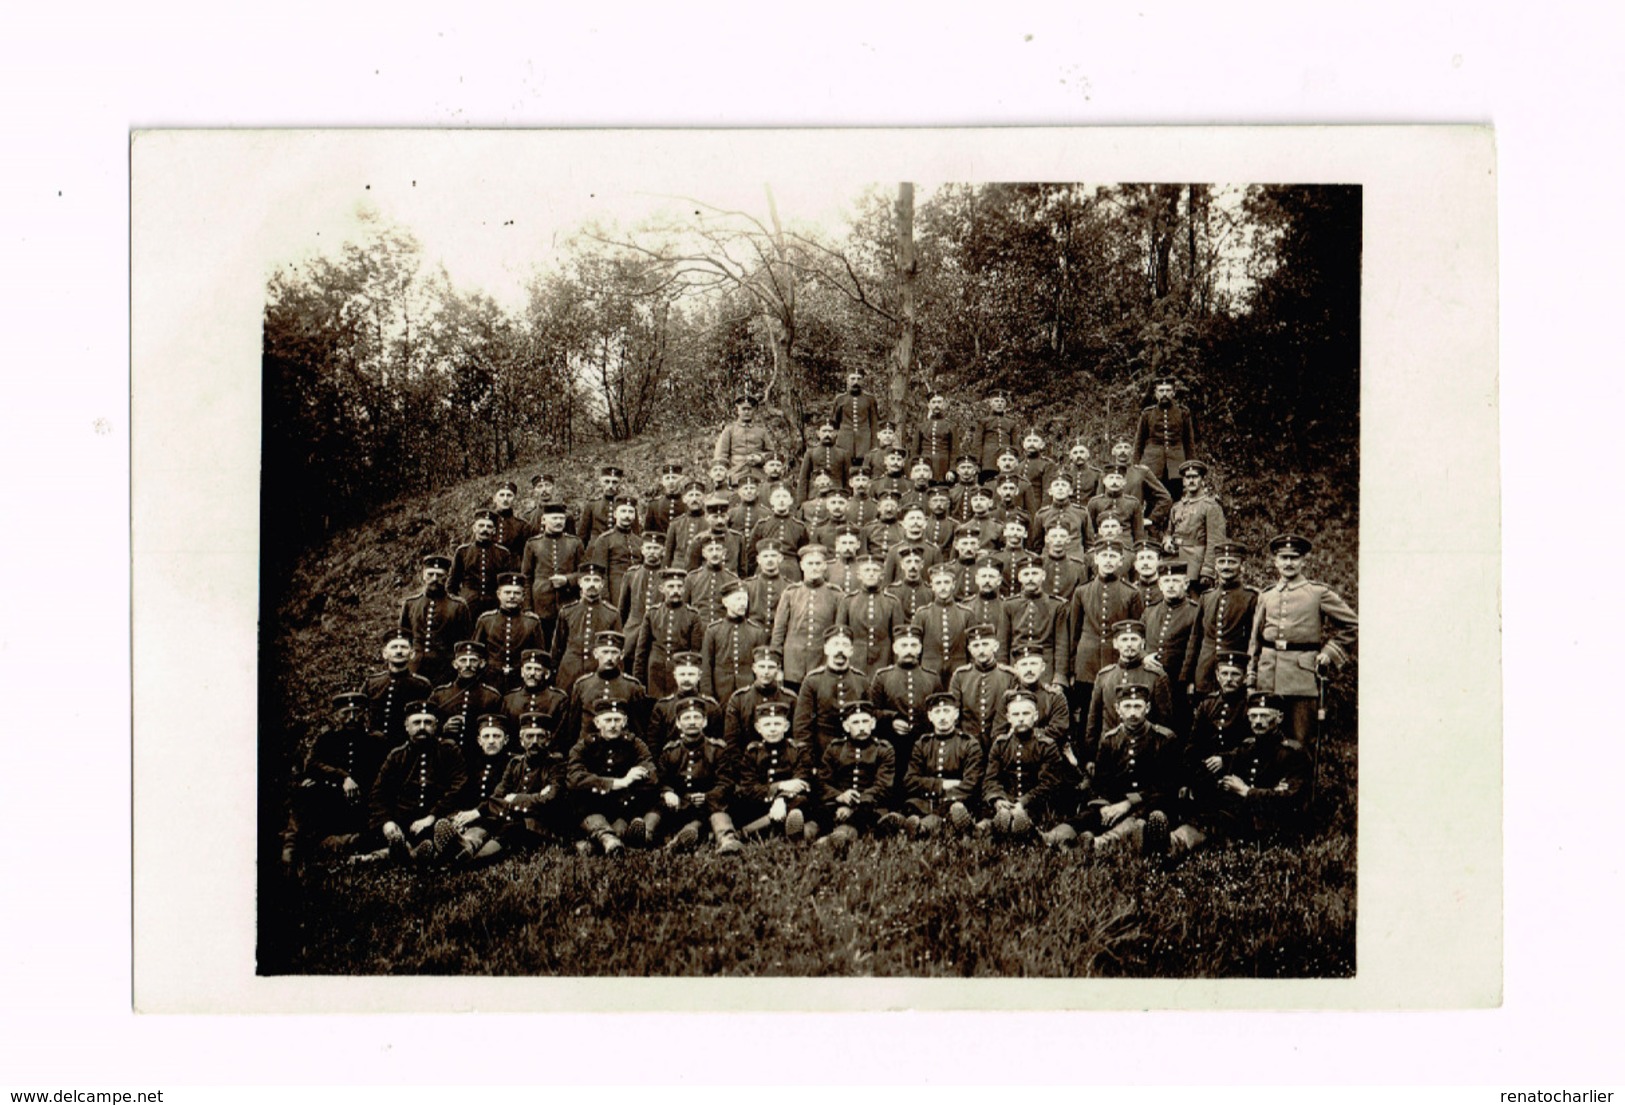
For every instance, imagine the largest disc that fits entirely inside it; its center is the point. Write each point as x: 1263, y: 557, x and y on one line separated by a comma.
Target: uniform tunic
x: 546, y: 557
x: 1084, y: 478
x: 912, y: 596
x: 703, y: 591
x: 805, y: 610
x: 996, y: 433
x: 681, y: 535
x: 937, y: 759
x: 1039, y: 620
x: 579, y: 623
x: 765, y: 592
x: 738, y: 442
x: 1096, y: 607
x: 505, y: 635
x: 417, y: 779
x: 1225, y: 619
x: 1125, y: 508
x: 1105, y: 696
x: 605, y: 685
x: 661, y: 510
x: 1063, y: 575
x: 823, y: 693
x: 833, y: 461
x: 1023, y: 768
x: 892, y: 571
x: 990, y: 610
x: 739, y: 714
x: 662, y: 725
x: 759, y: 767
x: 899, y: 691
x: 1197, y: 525
x: 1218, y: 728
x: 790, y: 532
x: 1278, y: 772
x: 597, y: 517
x: 1054, y: 715
x: 639, y: 591
x: 435, y: 625
x: 936, y: 440
x: 980, y: 691
x: 1036, y: 470
x: 484, y: 777
x: 942, y: 634
x: 390, y: 691
x: 468, y: 699
x: 546, y: 700
x: 1165, y: 439
x: 534, y: 807
x: 474, y: 571
x: 667, y: 630
x: 870, y: 768
x: 1140, y: 484
x: 1290, y: 628
x: 874, y: 616
x: 743, y: 520
x: 1171, y: 641
x: 857, y: 420
x: 595, y: 764
x: 1143, y: 762
x: 615, y: 550
x: 698, y: 768
x: 726, y: 655
x: 1074, y: 517
x: 351, y: 752
x: 513, y: 531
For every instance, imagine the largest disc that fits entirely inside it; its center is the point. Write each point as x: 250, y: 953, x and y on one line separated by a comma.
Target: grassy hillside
x: 892, y: 907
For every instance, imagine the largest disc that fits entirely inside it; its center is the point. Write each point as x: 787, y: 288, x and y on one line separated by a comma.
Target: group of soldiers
x: 957, y: 634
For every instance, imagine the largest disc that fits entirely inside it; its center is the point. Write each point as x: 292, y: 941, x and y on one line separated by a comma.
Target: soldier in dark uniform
x: 979, y: 686
x: 1027, y: 660
x: 686, y: 525
x: 476, y: 566
x: 1016, y: 498
x: 837, y: 510
x: 1034, y: 468
x: 668, y: 629
x: 856, y: 418
x: 544, y: 490
x: 461, y: 702
x: 1265, y: 785
x: 967, y: 472
x: 943, y: 779
x: 435, y: 621
x: 607, y: 682
x: 536, y: 696
x: 507, y: 632
x: 1166, y: 437
x: 914, y: 526
x: 552, y: 564
x: 1096, y: 607
x: 863, y: 509
x: 743, y: 519
x: 662, y: 725
x: 391, y: 689
x: 1135, y: 780
x: 805, y: 611
x: 1082, y: 475
x: 486, y: 764
x: 667, y: 502
x: 1224, y: 614
x: 329, y: 803
x: 773, y: 781
x: 702, y: 587
x: 1036, y: 618
x: 826, y: 457
x: 1170, y: 634
x: 886, y: 531
x: 1061, y: 510
x: 786, y: 530
x: 512, y: 530
x: 858, y: 778
x: 641, y: 588
x: 768, y: 585
x: 1144, y: 577
x: 596, y: 515
x: 939, y: 523
x: 911, y: 590
x: 417, y: 786
x: 986, y: 606
x: 919, y: 487
x: 937, y: 438
x: 530, y: 807
x: 1139, y: 483
x: 617, y: 548
x: 765, y: 686
x: 695, y: 785
x: 579, y: 625
x: 892, y: 475
x: 1114, y: 502
x: 824, y: 693
x: 886, y: 443
x: 996, y: 432
x: 1064, y: 569
x: 727, y: 645
x: 873, y: 616
x: 899, y: 691
x: 1131, y: 668
x: 943, y: 624
x: 967, y: 547
x: 1024, y: 776
x: 611, y: 777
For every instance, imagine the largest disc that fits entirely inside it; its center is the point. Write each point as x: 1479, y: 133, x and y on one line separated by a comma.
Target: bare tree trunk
x: 907, y: 271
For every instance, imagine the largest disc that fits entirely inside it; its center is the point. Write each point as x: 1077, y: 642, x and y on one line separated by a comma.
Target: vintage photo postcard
x: 823, y: 570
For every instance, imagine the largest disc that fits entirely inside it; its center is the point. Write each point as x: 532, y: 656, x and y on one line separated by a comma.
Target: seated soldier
x: 1133, y: 785
x: 611, y: 777
x: 773, y: 780
x: 417, y: 787
x: 329, y: 803
x: 694, y: 786
x: 1263, y: 791
x: 944, y: 776
x: 1024, y: 777
x: 487, y: 764
x: 529, y: 808
x: 858, y: 775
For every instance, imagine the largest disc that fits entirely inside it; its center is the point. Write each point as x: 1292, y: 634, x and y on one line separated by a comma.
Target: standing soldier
x: 967, y: 471
x: 551, y: 561
x: 1166, y: 438
x: 1170, y: 628
x: 607, y: 682
x: 780, y: 525
x: 986, y: 606
x: 825, y: 692
x: 596, y: 515
x: 967, y: 547
x: 544, y: 489
x: 874, y: 616
x: 826, y: 457
x: 863, y: 509
x: 899, y: 691
x: 435, y: 621
x: 1083, y: 476
x: 1054, y: 714
x: 1064, y: 568
x: 742, y: 439
x: 578, y: 627
x: 728, y: 644
x: 686, y: 525
x: 507, y: 632
x: 1144, y: 578
x: 937, y: 439
x: 1195, y: 526
x: 743, y: 519
x: 768, y: 584
x: 805, y: 610
x: 1037, y: 618
x: 536, y: 696
x: 611, y: 777
x: 1139, y: 483
x: 1096, y: 607
x: 641, y: 588
x: 944, y: 775
x: 702, y: 587
x: 857, y: 417
x: 715, y: 528
x: 939, y: 524
x: 667, y: 502
x: 892, y: 474
x: 617, y: 548
x: 911, y: 591
x: 475, y: 566
x: 512, y: 530
x: 765, y: 687
x: 979, y: 686
x: 996, y: 433
x: 461, y: 702
x: 1300, y: 629
x: 391, y: 689
x: 943, y: 624
x: 1035, y: 469
x: 1114, y: 502
x: 1224, y: 613
x: 1131, y: 669
x: 1062, y: 511
x: 668, y: 629
x: 886, y: 441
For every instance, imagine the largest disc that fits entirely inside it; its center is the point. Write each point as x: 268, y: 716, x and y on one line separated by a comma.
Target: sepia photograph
x: 902, y: 579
